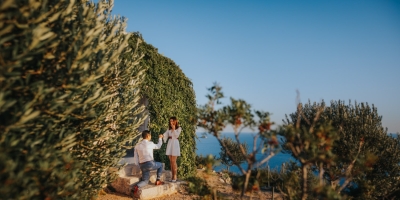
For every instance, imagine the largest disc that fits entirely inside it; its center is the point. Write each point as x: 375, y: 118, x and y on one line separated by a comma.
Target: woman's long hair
x: 169, y: 124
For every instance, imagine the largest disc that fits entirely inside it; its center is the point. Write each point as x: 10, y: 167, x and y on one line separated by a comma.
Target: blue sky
x: 263, y: 51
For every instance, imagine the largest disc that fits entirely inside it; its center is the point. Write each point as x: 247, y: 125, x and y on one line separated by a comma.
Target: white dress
x: 173, y: 148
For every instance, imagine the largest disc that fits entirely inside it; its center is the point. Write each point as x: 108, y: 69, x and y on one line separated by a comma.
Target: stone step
x: 130, y: 168
x: 131, y: 174
x: 153, y: 191
x: 123, y: 182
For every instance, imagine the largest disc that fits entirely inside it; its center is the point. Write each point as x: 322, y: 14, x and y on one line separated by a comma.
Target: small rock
x: 152, y: 179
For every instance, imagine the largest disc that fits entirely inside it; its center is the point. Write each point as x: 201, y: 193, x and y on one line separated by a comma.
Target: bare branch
x: 244, y: 152
x: 349, y: 177
x: 230, y: 154
x: 321, y: 173
x: 266, y: 159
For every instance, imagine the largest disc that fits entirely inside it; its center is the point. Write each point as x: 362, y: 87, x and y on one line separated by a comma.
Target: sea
x: 210, y: 145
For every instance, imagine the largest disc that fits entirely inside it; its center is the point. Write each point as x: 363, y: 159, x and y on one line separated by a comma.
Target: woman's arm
x: 176, y: 132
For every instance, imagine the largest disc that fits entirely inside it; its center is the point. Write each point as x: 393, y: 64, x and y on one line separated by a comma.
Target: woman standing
x: 173, y: 149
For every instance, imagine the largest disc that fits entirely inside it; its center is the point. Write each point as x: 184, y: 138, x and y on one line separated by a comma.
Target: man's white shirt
x: 144, y: 151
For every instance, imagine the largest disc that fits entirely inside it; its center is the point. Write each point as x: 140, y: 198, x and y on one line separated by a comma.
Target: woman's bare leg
x: 172, y: 167
x: 175, y: 167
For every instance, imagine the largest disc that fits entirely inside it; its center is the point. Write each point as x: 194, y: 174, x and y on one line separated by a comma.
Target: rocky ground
x: 214, y: 180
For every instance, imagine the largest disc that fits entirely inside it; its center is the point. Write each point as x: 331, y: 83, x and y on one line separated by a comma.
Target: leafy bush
x: 61, y: 84
x: 364, y: 154
x: 238, y: 182
x: 198, y: 186
x: 234, y: 148
x: 117, y: 116
x: 201, y: 161
x: 239, y: 115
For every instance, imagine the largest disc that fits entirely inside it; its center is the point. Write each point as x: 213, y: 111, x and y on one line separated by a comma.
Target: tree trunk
x: 246, y: 183
x: 304, y: 185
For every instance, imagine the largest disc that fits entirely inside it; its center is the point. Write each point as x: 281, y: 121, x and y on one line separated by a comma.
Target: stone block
x: 123, y: 183
x: 135, y: 170
x: 153, y: 191
x: 126, y: 160
x: 130, y: 168
x: 127, y: 170
x: 131, y: 174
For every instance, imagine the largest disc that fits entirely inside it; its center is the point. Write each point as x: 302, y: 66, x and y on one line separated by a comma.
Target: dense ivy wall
x: 169, y: 93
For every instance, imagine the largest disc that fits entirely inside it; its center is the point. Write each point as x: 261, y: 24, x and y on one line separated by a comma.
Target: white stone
x: 151, y: 191
x: 123, y: 183
x: 136, y: 170
x: 131, y: 174
x: 126, y: 171
x: 153, y: 179
x: 228, y: 181
x: 126, y: 160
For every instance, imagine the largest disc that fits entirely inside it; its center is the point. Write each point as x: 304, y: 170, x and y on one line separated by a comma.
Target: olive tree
x: 68, y: 100
x: 238, y: 114
x: 365, y: 156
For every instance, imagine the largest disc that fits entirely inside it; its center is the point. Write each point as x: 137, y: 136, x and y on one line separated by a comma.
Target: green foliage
x: 62, y: 84
x: 366, y: 157
x: 234, y: 148
x: 169, y: 93
x: 198, y: 186
x: 118, y: 115
x: 200, y: 161
x: 311, y: 144
x: 239, y: 115
x: 288, y: 181
x: 238, y: 182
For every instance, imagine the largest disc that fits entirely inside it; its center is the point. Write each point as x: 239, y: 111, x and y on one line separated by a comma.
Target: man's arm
x: 159, y: 144
x: 136, y: 156
x: 165, y: 136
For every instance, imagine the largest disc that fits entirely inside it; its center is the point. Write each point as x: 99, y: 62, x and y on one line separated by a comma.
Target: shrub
x: 198, y: 186
x: 201, y: 161
x: 364, y: 151
x: 234, y: 148
x: 239, y: 115
x: 61, y: 84
x: 117, y: 116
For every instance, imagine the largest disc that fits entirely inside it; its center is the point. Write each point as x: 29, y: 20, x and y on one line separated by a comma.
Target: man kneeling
x: 144, y: 157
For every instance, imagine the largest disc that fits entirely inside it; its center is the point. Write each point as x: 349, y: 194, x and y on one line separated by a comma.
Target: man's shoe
x: 158, y: 182
x: 136, y: 192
